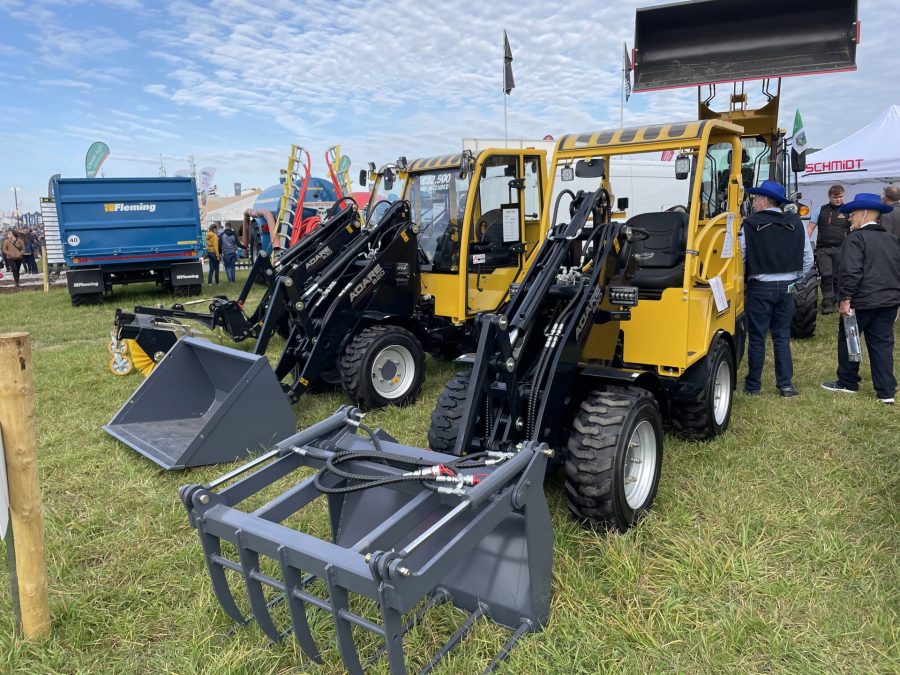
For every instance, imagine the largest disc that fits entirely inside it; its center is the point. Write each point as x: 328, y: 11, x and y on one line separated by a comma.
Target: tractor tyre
x: 382, y: 366
x: 448, y: 412
x: 708, y: 417
x: 803, y: 324
x: 87, y: 299
x: 614, y: 457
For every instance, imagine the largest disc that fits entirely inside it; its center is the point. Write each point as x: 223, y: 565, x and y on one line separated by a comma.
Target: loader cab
x: 479, y: 220
x: 688, y: 220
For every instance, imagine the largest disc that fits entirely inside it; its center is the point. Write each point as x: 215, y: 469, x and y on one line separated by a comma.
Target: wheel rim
x: 393, y: 372
x: 722, y: 393
x: 639, y: 468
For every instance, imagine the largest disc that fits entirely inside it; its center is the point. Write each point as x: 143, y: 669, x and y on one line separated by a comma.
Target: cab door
x: 504, y: 226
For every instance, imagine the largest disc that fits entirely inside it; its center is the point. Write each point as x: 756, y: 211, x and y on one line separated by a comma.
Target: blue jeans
x: 229, y: 260
x: 877, y: 325
x: 769, y: 309
x: 213, y: 269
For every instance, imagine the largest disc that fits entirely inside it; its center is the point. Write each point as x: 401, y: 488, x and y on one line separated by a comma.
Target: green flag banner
x: 96, y: 155
x: 799, y: 134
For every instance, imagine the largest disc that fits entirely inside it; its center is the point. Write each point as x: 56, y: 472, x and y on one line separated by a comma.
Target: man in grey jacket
x: 891, y: 221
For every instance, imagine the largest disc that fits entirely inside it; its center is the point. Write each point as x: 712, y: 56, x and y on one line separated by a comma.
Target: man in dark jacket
x: 229, y: 244
x: 870, y: 289
x: 777, y: 253
x: 833, y: 227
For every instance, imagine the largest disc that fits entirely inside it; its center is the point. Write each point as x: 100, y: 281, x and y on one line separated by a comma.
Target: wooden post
x: 44, y: 267
x: 26, y: 512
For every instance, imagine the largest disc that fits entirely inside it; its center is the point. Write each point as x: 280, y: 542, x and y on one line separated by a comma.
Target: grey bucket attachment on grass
x: 204, y: 404
x: 409, y: 529
x: 708, y: 41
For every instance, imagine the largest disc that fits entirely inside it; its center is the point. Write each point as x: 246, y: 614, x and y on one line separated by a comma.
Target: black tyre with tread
x: 696, y: 420
x: 448, y: 413
x: 803, y: 323
x: 357, y: 363
x: 87, y: 299
x: 598, y: 454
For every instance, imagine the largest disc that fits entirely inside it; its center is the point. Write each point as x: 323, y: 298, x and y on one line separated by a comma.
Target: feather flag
x: 508, y: 82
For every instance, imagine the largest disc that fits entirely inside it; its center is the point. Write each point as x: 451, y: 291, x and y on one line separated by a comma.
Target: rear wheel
x: 383, y: 365
x: 614, y: 457
x: 708, y: 417
x: 448, y: 412
x: 87, y: 299
x: 803, y: 324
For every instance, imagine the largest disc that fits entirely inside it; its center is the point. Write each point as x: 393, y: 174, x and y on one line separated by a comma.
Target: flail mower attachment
x: 409, y: 529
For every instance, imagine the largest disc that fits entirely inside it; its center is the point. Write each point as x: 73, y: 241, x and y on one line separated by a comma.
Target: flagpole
x: 622, y: 104
x: 503, y: 89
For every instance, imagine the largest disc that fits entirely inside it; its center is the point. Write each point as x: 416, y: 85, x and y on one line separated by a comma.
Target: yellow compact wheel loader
x: 358, y: 305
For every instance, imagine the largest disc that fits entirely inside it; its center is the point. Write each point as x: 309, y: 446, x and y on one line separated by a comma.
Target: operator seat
x: 667, y: 241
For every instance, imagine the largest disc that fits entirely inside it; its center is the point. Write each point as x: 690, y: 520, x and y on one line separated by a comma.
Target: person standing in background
x: 14, y: 251
x: 891, y: 220
x: 230, y: 244
x: 213, y: 253
x: 833, y: 228
x: 28, y: 254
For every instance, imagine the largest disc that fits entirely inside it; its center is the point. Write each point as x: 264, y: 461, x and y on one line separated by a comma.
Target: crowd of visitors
x: 20, y: 249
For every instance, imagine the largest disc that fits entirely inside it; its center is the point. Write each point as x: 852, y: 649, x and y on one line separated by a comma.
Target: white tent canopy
x: 865, y: 161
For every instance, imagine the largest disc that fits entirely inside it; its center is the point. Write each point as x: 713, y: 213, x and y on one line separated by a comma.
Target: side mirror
x: 590, y: 168
x: 363, y: 175
x: 682, y: 167
x: 388, y: 178
x: 621, y: 203
x: 798, y: 162
x: 745, y: 157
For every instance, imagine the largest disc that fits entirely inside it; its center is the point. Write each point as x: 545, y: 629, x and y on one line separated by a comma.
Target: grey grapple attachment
x: 409, y: 529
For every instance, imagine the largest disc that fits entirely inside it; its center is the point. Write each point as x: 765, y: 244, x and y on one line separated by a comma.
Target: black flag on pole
x: 508, y: 82
x: 626, y: 70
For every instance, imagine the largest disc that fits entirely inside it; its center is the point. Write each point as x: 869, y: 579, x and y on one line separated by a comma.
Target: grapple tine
x: 212, y: 550
x: 393, y: 638
x: 340, y: 602
x: 258, y: 605
x: 292, y: 581
x: 435, y: 599
x: 455, y: 639
x: 523, y: 628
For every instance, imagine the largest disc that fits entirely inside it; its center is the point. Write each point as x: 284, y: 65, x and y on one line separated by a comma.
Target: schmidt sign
x: 834, y: 166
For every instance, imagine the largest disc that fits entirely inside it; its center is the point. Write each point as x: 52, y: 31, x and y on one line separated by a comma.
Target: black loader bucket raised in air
x: 709, y: 41
x: 409, y: 529
x: 204, y: 404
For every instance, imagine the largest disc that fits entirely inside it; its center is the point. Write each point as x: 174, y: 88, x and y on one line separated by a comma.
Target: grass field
x: 771, y: 549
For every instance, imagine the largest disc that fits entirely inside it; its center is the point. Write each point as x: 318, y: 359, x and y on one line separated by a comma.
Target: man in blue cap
x: 870, y: 289
x: 777, y: 253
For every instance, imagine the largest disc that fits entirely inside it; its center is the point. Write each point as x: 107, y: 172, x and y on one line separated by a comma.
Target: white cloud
x: 66, y: 83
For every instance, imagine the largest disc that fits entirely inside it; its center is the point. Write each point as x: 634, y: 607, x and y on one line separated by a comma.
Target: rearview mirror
x: 682, y: 167
x: 388, y: 177
x: 363, y: 175
x: 621, y: 203
x: 590, y: 168
x: 798, y: 162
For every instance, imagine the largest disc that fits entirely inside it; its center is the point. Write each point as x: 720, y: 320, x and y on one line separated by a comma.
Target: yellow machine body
x: 671, y: 332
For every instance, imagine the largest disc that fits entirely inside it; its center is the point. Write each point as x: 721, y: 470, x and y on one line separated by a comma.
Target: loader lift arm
x: 528, y: 354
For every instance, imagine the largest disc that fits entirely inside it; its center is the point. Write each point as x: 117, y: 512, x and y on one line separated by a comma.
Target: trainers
x: 887, y: 401
x: 837, y: 386
x: 788, y: 392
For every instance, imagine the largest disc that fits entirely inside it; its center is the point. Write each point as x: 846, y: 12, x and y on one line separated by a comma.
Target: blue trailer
x: 129, y: 230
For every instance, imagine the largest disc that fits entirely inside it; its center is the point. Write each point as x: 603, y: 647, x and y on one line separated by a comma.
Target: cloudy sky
x: 235, y: 82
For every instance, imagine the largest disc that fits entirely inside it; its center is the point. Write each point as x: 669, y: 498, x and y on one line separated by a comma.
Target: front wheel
x: 447, y: 414
x: 708, y: 417
x: 382, y: 366
x: 803, y: 323
x: 614, y: 457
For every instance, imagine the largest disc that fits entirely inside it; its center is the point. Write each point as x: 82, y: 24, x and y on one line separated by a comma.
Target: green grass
x: 773, y: 548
